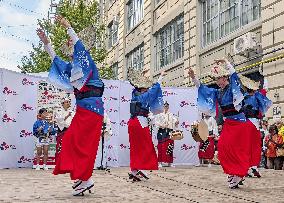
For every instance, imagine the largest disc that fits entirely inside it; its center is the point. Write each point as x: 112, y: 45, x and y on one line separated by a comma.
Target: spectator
x: 273, y: 141
x: 41, y: 130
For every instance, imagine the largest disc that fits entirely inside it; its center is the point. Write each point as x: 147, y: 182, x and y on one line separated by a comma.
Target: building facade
x: 172, y: 35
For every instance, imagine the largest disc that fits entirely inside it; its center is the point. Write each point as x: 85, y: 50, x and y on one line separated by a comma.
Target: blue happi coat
x: 84, y: 66
x: 209, y: 98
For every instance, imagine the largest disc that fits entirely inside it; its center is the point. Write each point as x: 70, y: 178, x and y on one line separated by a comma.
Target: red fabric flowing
x: 255, y: 147
x: 235, y: 147
x: 80, y: 145
x: 142, y: 151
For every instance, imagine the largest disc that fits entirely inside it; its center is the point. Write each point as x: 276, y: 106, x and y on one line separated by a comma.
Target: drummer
x: 207, y: 148
x: 166, y: 122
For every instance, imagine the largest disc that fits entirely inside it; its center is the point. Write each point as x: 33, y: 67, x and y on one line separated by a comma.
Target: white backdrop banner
x: 18, y: 107
x: 18, y: 103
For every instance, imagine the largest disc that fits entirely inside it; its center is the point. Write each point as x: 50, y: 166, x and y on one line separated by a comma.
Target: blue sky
x: 14, y: 14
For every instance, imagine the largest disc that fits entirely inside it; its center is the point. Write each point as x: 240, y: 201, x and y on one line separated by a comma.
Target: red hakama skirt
x: 210, y: 150
x: 235, y: 147
x: 256, y: 147
x: 165, y: 150
x: 142, y: 151
x: 80, y: 145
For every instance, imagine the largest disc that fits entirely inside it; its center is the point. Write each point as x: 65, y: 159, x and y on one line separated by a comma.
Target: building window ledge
x: 172, y: 65
x: 158, y: 5
x: 251, y: 26
x: 136, y: 26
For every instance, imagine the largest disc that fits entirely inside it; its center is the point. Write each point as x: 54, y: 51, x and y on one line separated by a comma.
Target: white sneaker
x: 76, y: 183
x: 235, y: 182
x: 37, y: 168
x: 85, y: 185
x: 45, y: 168
x: 209, y: 165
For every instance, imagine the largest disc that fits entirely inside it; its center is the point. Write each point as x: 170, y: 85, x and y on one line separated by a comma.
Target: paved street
x: 196, y: 184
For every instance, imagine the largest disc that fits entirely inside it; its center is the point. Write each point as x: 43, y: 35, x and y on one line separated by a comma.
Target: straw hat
x: 248, y: 83
x: 137, y: 79
x: 88, y: 37
x: 219, y: 70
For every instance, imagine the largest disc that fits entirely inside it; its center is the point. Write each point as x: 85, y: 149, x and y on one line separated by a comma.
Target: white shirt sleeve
x: 72, y: 35
x: 160, y: 79
x: 196, y: 82
x: 230, y: 68
x: 48, y: 48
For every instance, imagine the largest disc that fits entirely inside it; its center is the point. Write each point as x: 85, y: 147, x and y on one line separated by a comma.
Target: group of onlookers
x: 273, y: 145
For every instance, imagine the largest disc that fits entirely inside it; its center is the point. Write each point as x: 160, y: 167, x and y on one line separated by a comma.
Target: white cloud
x: 11, y: 48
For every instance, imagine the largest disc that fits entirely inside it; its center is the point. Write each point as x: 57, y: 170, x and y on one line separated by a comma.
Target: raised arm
x: 195, y: 80
x: 47, y: 45
x: 65, y: 23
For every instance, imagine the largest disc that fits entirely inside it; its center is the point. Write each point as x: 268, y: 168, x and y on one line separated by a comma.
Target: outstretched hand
x: 62, y: 21
x: 42, y: 36
x: 191, y: 73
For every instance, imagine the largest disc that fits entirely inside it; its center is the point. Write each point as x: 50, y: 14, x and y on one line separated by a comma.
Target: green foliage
x: 80, y: 15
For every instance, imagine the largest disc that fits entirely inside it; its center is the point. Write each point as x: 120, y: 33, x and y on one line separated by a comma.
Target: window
x: 135, y: 12
x: 114, y: 68
x: 170, y: 43
x: 113, y: 33
x: 221, y: 17
x: 135, y: 59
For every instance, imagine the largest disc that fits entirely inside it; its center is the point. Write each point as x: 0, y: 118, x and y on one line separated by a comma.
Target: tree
x: 81, y: 16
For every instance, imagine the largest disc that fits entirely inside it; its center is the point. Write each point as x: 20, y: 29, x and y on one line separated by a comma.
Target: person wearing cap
x: 146, y: 97
x: 255, y: 105
x: 166, y: 122
x: 63, y: 118
x: 80, y: 142
x: 234, y: 145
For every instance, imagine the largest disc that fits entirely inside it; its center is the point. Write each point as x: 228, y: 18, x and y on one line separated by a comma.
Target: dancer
x: 81, y: 140
x: 63, y: 118
x: 166, y: 123
x: 41, y: 130
x: 207, y: 148
x: 144, y: 99
x: 235, y: 141
x: 255, y: 105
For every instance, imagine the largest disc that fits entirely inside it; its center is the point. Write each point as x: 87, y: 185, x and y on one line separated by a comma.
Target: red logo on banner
x: 124, y: 100
x: 5, y: 146
x: 186, y: 147
x: 25, y: 81
x: 184, y: 103
x: 185, y: 125
x: 25, y: 133
x: 112, y: 110
x: 7, y: 119
x: 123, y: 123
x: 25, y: 107
x: 48, y: 96
x: 24, y: 160
x: 110, y: 99
x: 113, y: 122
x: 111, y: 159
x: 112, y: 87
x: 7, y: 91
x: 168, y: 93
x: 122, y: 146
